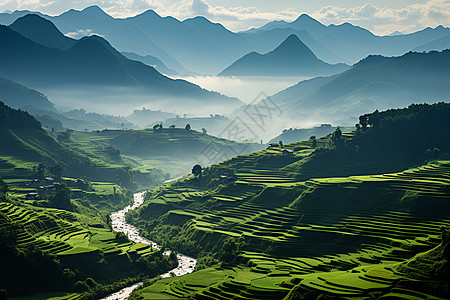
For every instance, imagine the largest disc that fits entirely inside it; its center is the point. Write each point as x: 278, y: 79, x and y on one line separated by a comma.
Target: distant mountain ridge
x: 18, y: 96
x: 32, y: 26
x: 207, y: 48
x: 290, y: 58
x: 376, y: 82
x: 91, y: 61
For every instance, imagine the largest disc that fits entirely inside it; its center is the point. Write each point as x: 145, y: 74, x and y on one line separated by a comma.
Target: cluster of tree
x: 3, y: 189
x: 336, y: 138
x: 415, y: 128
x: 112, y: 151
x: 197, y: 170
x: 17, y: 119
x: 40, y: 171
x: 43, y: 271
x: 64, y: 137
x: 313, y: 141
x: 230, y: 250
x: 158, y: 128
x: 60, y: 198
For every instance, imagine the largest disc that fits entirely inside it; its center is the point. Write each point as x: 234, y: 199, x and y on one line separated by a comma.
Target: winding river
x: 186, y: 264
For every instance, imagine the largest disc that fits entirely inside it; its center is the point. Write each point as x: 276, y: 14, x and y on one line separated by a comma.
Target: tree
x: 336, y: 137
x: 155, y: 128
x: 188, y: 127
x: 313, y: 141
x: 64, y: 137
x: 3, y: 294
x: 61, y: 198
x: 3, y: 189
x: 337, y: 134
x: 204, y: 131
x: 364, y: 121
x: 197, y: 170
x: 229, y: 250
x: 40, y: 171
x: 57, y: 171
x: 436, y: 153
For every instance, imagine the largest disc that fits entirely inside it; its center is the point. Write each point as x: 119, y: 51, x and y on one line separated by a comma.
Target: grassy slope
x: 23, y: 149
x: 301, y: 218
x: 174, y: 151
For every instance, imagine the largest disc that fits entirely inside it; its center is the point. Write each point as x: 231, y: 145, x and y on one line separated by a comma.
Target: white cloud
x: 200, y: 8
x: 81, y: 33
x: 382, y: 20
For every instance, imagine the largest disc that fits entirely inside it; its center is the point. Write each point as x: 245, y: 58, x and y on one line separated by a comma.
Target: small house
x: 288, y: 152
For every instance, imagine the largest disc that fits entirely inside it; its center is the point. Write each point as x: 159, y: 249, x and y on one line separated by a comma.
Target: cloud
x: 25, y: 4
x: 382, y: 20
x: 200, y: 8
x: 81, y: 33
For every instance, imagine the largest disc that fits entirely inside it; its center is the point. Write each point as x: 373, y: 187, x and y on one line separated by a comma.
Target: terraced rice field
x: 322, y: 247
x: 59, y: 232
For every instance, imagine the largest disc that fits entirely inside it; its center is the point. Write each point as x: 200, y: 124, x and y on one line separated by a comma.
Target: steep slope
x: 124, y: 37
x: 42, y: 31
x: 181, y: 41
x: 18, y: 96
x: 25, y: 145
x: 374, y: 83
x: 290, y: 58
x: 152, y: 62
x: 436, y: 45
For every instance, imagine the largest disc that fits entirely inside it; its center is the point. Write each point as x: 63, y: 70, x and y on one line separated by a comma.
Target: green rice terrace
x: 77, y: 241
x: 280, y: 224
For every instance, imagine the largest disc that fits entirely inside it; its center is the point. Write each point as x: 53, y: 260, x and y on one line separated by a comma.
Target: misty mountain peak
x: 33, y: 20
x: 41, y: 31
x: 307, y: 20
x: 293, y: 45
x: 150, y: 13
x: 96, y: 11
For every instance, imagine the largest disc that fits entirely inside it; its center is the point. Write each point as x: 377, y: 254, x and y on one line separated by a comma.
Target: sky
x: 381, y: 16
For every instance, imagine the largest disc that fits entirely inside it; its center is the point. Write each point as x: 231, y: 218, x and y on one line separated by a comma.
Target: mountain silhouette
x: 376, y: 82
x: 290, y: 58
x: 91, y: 61
x: 344, y: 42
x: 201, y: 46
x: 436, y: 45
x: 41, y: 31
x: 151, y: 61
x: 20, y: 97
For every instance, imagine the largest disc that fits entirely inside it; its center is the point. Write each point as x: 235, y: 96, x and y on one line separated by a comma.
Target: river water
x: 186, y: 264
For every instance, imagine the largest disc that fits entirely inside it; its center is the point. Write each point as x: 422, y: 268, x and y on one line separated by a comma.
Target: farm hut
x: 288, y: 152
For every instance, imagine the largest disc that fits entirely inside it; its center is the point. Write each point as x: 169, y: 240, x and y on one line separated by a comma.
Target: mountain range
x: 290, y: 58
x: 89, y: 62
x: 376, y: 82
x: 201, y: 46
